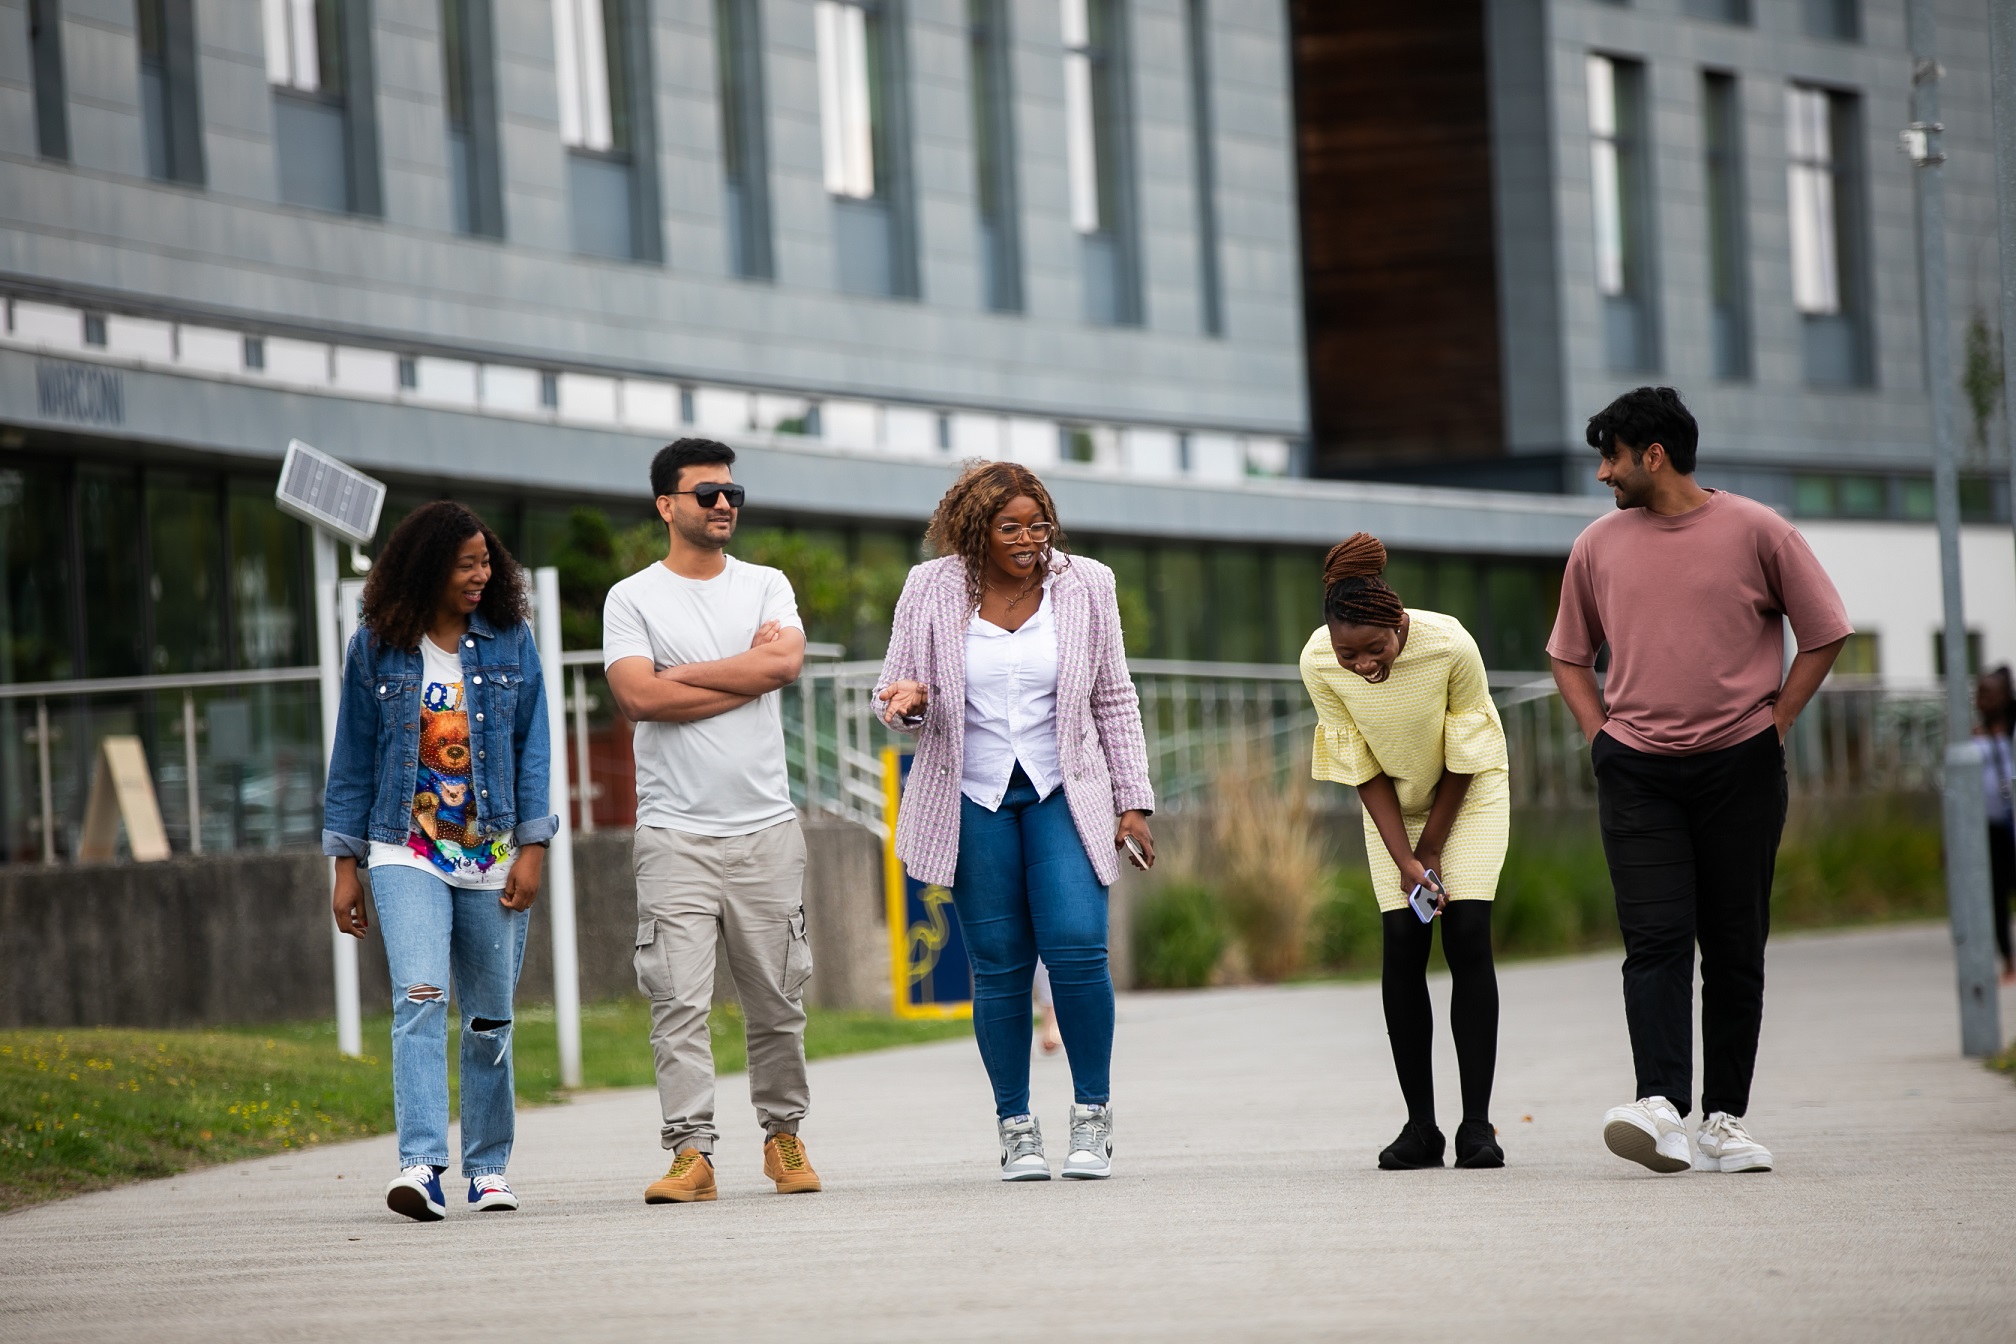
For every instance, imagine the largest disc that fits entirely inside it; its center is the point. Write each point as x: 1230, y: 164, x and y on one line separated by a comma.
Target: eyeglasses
x: 1036, y: 532
x: 706, y: 495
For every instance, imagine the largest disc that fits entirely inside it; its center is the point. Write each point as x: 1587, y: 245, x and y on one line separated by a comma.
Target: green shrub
x: 1179, y: 936
x: 1344, y: 928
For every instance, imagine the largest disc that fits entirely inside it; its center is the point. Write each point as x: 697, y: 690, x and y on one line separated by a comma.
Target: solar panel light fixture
x: 324, y: 493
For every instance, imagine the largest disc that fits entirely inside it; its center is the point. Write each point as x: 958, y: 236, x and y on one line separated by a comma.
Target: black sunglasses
x: 706, y: 495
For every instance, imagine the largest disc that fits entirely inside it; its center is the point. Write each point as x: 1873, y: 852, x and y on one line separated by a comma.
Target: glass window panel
x: 34, y: 576
x: 1519, y: 618
x: 1239, y: 614
x: 1813, y: 496
x: 1411, y: 577
x: 186, y: 563
x: 113, y: 631
x: 1727, y: 266
x: 269, y: 581
x: 582, y: 64
x: 1182, y: 616
x: 1297, y: 590
x: 1918, y: 499
x: 1456, y: 591
x: 1816, y: 270
x: 846, y: 37
x: 1130, y: 577
x: 1861, y: 655
x: 1864, y: 496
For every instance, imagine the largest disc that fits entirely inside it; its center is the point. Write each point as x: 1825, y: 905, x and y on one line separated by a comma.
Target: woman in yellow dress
x: 1404, y: 716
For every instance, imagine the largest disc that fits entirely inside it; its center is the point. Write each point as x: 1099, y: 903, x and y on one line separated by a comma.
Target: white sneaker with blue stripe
x: 416, y: 1192
x: 489, y: 1194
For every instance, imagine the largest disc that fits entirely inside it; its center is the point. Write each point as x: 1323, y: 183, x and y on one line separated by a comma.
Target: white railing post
x: 329, y: 652
x: 586, y: 785
x: 189, y: 768
x: 560, y: 852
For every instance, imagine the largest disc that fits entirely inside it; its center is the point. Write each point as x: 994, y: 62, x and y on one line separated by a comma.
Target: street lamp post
x: 1965, y: 815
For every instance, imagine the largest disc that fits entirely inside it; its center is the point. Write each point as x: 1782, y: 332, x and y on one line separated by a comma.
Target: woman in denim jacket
x: 438, y: 782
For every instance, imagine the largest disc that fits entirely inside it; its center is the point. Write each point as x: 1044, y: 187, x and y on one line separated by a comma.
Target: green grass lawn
x: 85, y: 1108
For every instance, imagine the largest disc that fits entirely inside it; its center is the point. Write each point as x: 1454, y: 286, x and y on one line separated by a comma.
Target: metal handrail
x: 185, y: 681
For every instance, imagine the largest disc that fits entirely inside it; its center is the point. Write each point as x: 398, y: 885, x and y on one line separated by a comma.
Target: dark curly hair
x: 404, y: 587
x: 959, y: 525
x: 1645, y: 416
x: 1353, y: 592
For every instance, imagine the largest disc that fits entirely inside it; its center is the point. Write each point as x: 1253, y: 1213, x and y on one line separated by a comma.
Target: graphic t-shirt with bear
x: 446, y: 839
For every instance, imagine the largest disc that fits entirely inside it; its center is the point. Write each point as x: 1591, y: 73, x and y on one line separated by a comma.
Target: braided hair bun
x: 1353, y: 592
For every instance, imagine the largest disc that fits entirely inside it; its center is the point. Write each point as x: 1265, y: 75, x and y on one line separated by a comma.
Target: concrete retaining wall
x: 245, y: 938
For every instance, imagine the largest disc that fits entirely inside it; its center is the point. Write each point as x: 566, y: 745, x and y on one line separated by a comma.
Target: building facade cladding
x: 408, y: 278
x: 1785, y: 417
x: 1814, y: 392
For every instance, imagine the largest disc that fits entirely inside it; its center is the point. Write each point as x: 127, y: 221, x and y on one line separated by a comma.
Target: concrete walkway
x: 1247, y: 1205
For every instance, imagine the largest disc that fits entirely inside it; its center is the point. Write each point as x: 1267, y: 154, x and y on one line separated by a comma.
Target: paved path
x: 1247, y: 1206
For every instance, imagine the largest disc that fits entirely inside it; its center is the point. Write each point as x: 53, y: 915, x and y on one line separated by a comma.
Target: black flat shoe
x: 1417, y: 1147
x: 1477, y: 1145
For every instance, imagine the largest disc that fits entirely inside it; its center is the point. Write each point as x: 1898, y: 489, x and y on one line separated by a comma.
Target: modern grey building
x: 1550, y: 201
x: 503, y: 249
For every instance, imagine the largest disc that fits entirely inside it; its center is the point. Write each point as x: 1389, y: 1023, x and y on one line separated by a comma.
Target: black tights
x: 1473, y: 1005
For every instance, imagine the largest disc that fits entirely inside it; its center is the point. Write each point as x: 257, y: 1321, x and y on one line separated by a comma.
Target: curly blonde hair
x: 960, y: 523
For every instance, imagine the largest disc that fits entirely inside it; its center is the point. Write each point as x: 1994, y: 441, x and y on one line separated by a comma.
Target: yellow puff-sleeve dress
x: 1432, y: 714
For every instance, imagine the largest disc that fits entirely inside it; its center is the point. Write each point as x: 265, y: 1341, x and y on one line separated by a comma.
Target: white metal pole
x: 329, y: 654
x: 189, y: 768
x: 1965, y: 814
x: 2002, y: 62
x: 42, y: 776
x: 560, y: 853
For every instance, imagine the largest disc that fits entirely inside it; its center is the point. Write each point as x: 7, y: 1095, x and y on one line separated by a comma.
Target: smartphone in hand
x: 1423, y: 899
x: 1135, y: 854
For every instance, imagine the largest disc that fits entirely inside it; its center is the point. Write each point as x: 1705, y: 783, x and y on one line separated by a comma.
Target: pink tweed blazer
x: 1099, y: 741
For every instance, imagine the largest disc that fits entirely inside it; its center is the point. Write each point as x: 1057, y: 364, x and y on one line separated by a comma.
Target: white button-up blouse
x: 1011, y: 706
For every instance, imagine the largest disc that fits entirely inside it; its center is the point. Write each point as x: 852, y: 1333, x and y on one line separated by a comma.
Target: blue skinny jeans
x: 435, y: 933
x: 1025, y: 888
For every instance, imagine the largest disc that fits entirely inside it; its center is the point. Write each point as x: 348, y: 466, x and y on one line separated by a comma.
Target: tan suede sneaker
x: 784, y: 1162
x: 691, y: 1180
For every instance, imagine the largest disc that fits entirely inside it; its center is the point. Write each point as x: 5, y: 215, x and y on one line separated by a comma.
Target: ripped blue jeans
x: 438, y: 935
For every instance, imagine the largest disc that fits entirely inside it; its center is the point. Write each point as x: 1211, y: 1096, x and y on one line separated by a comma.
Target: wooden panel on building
x: 1394, y: 156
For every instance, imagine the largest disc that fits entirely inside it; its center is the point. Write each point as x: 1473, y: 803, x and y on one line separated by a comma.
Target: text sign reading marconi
x: 927, y: 953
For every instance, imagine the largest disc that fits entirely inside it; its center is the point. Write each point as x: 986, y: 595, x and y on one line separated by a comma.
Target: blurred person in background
x: 1403, y: 715
x: 1031, y: 776
x: 438, y: 781
x: 1691, y: 590
x: 1994, y: 702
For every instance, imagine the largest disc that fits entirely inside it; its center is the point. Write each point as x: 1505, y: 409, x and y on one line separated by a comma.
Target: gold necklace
x: 1016, y: 600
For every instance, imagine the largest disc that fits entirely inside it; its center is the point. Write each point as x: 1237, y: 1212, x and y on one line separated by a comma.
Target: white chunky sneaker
x: 1091, y: 1155
x: 1649, y: 1132
x: 1022, y: 1150
x: 1724, y: 1145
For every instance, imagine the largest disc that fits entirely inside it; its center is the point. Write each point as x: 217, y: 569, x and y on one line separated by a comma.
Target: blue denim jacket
x: 375, y: 765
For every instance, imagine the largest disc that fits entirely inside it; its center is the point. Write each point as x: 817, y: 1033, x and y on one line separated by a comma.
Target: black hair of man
x: 1645, y: 416
x: 682, y: 453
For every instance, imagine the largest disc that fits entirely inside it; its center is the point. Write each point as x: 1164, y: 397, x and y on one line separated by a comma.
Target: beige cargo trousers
x: 744, y: 894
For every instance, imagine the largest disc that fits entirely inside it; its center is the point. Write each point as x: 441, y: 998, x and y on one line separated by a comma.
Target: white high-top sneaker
x: 1724, y: 1145
x: 1091, y: 1155
x: 1649, y: 1132
x: 1022, y: 1150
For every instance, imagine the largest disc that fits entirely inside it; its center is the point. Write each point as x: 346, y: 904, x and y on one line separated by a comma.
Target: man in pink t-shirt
x: 1691, y: 589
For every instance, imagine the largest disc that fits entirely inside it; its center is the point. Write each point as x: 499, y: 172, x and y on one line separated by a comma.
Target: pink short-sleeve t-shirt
x: 1693, y: 609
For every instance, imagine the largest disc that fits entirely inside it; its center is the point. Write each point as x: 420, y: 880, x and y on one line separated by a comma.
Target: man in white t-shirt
x: 698, y: 648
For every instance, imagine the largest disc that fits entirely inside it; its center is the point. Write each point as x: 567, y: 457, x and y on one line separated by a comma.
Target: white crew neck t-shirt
x: 725, y: 775
x: 446, y: 838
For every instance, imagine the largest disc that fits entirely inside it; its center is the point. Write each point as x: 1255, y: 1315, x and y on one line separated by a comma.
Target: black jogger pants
x: 1691, y: 843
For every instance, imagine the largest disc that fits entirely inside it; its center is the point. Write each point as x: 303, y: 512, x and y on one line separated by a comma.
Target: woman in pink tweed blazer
x: 1031, y: 773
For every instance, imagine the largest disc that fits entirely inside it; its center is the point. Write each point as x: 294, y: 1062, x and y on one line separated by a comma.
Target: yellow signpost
x: 930, y: 977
